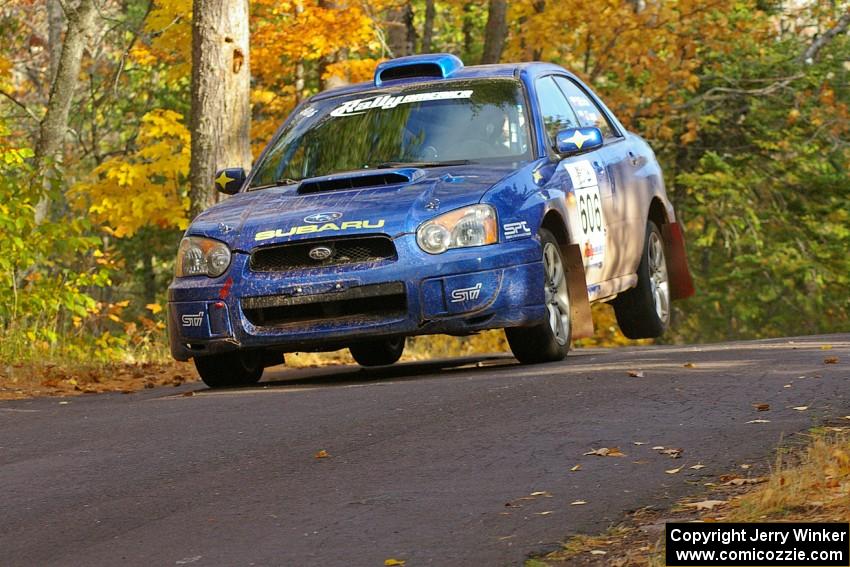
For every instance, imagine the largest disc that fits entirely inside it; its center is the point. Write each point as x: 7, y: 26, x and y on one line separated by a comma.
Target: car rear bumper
x: 458, y: 292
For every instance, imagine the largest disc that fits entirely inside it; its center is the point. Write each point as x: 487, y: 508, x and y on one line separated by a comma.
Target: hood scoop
x: 360, y: 180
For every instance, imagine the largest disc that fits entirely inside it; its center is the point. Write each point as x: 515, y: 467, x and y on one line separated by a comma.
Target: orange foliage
x: 645, y: 62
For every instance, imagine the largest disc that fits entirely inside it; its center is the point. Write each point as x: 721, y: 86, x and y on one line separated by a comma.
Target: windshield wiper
x: 388, y: 164
x: 285, y: 181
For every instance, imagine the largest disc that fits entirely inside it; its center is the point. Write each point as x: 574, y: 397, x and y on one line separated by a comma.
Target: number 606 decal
x: 591, y: 213
x: 589, y: 209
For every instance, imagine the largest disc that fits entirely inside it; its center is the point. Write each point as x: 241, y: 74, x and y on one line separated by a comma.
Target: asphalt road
x: 424, y: 458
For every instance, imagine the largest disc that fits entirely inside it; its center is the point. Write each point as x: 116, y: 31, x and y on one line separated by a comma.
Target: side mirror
x: 577, y: 141
x: 229, y: 181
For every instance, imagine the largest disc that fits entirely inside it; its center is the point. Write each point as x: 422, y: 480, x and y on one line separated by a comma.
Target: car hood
x: 310, y: 210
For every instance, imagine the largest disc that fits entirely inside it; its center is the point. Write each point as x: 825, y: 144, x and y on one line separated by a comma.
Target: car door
x: 583, y: 178
x: 614, y: 157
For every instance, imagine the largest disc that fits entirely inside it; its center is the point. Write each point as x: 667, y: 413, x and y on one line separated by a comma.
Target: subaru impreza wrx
x: 437, y: 198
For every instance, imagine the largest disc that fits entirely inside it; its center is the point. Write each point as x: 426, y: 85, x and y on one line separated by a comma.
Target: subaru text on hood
x: 437, y: 199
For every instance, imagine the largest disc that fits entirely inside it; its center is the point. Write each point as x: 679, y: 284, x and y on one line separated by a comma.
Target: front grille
x: 295, y: 256
x: 364, y: 304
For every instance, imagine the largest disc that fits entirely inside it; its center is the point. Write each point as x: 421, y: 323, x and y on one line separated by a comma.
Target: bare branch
x: 809, y: 55
x: 23, y: 107
x: 711, y: 93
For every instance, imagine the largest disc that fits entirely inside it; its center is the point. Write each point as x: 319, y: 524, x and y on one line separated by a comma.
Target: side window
x: 588, y: 113
x: 557, y: 113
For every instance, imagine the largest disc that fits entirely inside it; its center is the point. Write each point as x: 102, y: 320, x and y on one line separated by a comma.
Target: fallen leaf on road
x: 743, y: 481
x: 801, y: 408
x: 541, y: 493
x: 393, y: 562
x: 761, y: 407
x: 598, y: 552
x: 672, y: 453
x: 698, y: 466
x: 322, y: 454
x: 641, y: 462
x: 674, y: 471
x: 638, y: 442
x: 578, y: 503
x: 546, y: 513
x: 745, y: 467
x: 658, y: 448
x: 831, y: 360
x: 787, y: 386
x: 606, y: 452
x: 706, y: 504
x: 689, y: 365
x: 636, y: 373
x: 188, y: 394
x: 575, y: 468
x: 759, y: 421
x: 63, y: 403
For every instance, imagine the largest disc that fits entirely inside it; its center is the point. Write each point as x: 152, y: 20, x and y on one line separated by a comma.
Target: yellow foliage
x: 145, y: 187
x: 354, y: 70
x: 296, y: 31
x: 5, y: 69
x: 302, y: 32
x: 170, y: 23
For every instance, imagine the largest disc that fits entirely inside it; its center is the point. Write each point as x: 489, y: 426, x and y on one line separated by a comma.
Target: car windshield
x: 444, y: 123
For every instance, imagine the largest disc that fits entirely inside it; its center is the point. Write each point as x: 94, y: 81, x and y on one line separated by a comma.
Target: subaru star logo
x: 320, y: 218
x: 320, y: 253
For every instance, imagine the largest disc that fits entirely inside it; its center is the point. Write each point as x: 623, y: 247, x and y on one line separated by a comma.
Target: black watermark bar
x: 759, y: 544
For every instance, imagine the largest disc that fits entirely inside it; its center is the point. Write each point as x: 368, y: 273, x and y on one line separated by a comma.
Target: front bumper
x: 458, y: 292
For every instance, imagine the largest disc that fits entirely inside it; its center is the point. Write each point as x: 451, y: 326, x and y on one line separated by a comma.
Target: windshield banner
x: 385, y: 102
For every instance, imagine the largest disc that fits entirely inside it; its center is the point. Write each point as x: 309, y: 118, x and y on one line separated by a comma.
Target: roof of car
x: 532, y: 68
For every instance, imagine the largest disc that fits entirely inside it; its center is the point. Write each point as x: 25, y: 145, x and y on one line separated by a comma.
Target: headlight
x: 469, y: 226
x: 199, y: 256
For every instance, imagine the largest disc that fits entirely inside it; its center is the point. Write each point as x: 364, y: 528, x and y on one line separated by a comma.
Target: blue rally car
x: 436, y: 199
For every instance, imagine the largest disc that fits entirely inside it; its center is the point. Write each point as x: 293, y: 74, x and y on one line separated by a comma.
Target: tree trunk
x: 468, y: 29
x: 148, y: 276
x: 401, y: 34
x: 428, y: 26
x: 495, y: 32
x: 221, y: 83
x: 55, y: 122
x: 299, y: 65
x: 55, y: 27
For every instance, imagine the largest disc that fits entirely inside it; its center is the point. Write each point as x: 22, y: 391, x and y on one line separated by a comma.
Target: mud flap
x: 581, y: 321
x: 681, y: 283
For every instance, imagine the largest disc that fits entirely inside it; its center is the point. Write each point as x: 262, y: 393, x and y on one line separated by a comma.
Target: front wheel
x: 643, y: 312
x: 380, y: 352
x: 230, y: 369
x: 548, y: 341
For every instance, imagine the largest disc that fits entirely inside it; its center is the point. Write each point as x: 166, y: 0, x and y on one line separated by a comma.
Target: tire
x: 643, y: 312
x: 549, y: 341
x: 379, y: 352
x: 230, y: 369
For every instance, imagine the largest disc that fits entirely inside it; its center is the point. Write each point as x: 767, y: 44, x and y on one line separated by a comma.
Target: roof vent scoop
x: 436, y: 65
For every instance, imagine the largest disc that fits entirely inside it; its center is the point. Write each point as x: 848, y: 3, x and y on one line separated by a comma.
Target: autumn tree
x: 495, y: 32
x: 221, y: 83
x: 80, y: 18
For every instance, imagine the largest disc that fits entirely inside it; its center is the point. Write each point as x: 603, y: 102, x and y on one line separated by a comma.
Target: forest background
x: 745, y: 103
